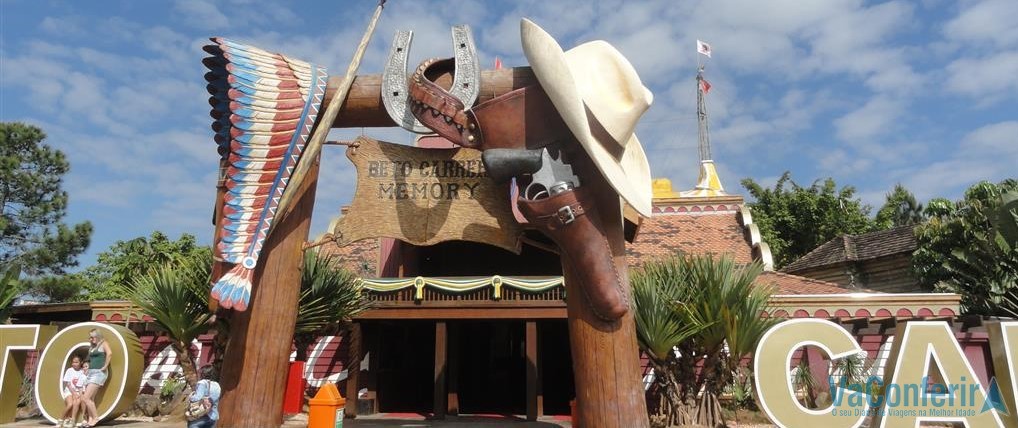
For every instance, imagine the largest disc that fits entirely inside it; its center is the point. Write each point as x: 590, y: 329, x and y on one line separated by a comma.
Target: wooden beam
x: 453, y: 398
x: 258, y: 353
x: 441, y: 342
x: 532, y: 379
x: 363, y: 106
x: 471, y: 304
x: 463, y: 313
x: 353, y: 368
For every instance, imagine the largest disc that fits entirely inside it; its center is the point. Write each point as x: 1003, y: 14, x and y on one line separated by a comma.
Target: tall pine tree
x: 900, y: 209
x: 33, y: 203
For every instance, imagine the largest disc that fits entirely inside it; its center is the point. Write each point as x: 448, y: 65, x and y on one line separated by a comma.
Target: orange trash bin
x: 326, y: 408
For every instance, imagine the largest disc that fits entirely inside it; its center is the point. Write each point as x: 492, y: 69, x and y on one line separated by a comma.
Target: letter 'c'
x: 772, y: 368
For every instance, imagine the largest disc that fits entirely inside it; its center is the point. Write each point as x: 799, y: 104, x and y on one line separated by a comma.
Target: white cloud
x: 991, y: 77
x: 999, y: 140
x: 841, y: 162
x: 877, y: 117
x: 40, y: 76
x: 742, y: 130
x: 201, y: 14
x: 61, y: 25
x: 987, y: 153
x: 985, y: 22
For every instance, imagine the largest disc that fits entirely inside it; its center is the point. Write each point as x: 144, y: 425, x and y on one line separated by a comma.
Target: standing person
x: 207, y: 388
x: 74, y: 387
x: 99, y: 362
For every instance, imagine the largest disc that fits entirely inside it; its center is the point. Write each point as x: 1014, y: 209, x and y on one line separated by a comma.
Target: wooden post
x: 353, y: 369
x: 257, y: 355
x: 606, y: 361
x: 453, y: 401
x: 441, y: 340
x: 532, y: 379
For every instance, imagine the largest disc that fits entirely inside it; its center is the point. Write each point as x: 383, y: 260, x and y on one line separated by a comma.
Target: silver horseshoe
x: 395, y: 93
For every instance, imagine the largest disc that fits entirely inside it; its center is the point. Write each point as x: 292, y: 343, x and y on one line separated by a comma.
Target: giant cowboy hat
x: 600, y: 97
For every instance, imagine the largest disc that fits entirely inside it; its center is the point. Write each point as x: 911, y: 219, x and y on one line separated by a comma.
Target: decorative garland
x: 459, y: 285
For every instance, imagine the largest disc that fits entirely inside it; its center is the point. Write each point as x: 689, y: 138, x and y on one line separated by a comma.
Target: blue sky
x: 923, y: 93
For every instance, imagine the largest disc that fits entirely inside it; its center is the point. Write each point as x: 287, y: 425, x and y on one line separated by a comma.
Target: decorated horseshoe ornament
x: 395, y: 93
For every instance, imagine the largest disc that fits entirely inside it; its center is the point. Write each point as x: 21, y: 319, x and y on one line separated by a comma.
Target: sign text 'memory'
x: 421, y: 178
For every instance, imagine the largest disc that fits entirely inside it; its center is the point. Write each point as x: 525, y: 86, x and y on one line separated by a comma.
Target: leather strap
x: 565, y: 215
x: 522, y: 118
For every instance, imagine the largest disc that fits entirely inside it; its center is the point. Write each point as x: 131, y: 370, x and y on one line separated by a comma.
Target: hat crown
x: 600, y: 98
x: 610, y: 88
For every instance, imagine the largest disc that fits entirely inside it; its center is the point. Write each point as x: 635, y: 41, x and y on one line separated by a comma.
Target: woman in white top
x: 74, y: 385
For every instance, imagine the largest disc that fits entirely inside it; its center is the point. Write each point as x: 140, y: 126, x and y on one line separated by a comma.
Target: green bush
x: 173, y: 385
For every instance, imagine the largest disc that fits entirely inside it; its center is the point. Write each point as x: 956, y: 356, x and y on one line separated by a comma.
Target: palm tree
x: 720, y: 305
x: 985, y: 268
x: 328, y: 297
x: 9, y: 290
x: 662, y: 324
x: 176, y: 296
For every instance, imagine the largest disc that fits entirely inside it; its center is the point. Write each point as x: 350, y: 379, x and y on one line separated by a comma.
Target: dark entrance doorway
x: 555, y: 359
x: 405, y: 365
x: 492, y: 374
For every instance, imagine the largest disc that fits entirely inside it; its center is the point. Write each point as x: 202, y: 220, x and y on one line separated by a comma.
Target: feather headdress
x: 264, y: 106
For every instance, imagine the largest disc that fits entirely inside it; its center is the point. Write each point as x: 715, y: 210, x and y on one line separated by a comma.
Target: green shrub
x: 173, y: 385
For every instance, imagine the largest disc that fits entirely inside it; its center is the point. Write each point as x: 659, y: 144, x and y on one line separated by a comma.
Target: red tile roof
x: 359, y: 257
x: 713, y: 233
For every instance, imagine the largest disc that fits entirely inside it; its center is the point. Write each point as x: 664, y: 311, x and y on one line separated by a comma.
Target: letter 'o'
x: 121, y: 388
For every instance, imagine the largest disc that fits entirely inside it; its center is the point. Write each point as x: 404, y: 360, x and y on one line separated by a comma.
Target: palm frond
x: 662, y: 320
x: 328, y: 295
x: 176, y: 296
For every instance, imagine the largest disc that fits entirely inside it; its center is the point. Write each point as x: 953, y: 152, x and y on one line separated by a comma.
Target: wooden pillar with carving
x: 258, y: 353
x: 606, y: 359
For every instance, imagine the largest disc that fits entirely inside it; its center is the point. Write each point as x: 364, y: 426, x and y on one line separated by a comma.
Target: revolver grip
x: 503, y: 164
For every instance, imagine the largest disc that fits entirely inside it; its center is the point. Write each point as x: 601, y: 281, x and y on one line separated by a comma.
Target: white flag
x: 703, y: 48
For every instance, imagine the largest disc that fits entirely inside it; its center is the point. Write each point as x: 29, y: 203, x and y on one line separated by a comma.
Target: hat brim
x: 629, y: 174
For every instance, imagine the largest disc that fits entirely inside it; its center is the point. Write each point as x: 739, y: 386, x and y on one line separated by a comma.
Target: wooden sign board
x: 426, y: 196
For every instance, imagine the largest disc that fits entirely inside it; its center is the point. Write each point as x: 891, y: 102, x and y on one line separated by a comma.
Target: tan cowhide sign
x: 425, y: 196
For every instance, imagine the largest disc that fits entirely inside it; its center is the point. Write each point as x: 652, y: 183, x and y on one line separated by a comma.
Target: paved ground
x: 456, y: 421
x: 363, y: 421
